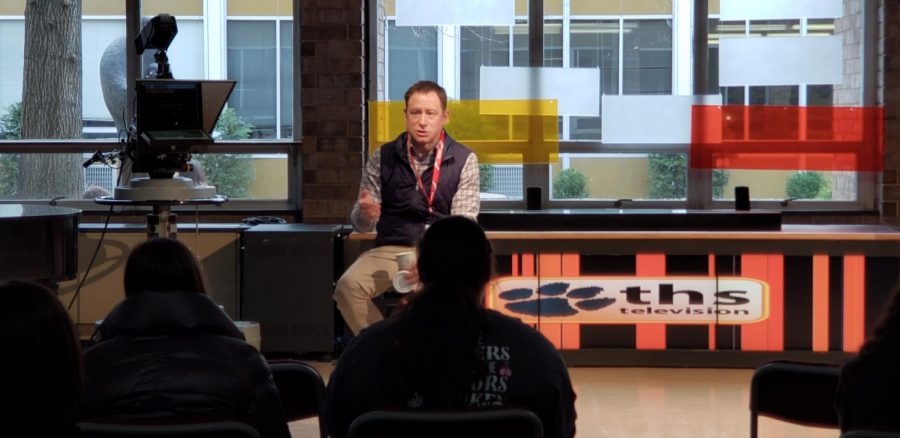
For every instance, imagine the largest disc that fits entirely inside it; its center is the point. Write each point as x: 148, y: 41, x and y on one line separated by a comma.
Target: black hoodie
x: 175, y: 356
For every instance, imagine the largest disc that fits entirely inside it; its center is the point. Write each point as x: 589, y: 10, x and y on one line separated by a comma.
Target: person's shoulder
x: 461, y: 148
x: 514, y: 328
x: 861, y: 368
x: 396, y: 142
x: 369, y: 352
x: 375, y: 336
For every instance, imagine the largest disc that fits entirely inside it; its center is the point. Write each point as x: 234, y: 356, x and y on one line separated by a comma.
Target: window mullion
x: 700, y: 181
x: 533, y: 174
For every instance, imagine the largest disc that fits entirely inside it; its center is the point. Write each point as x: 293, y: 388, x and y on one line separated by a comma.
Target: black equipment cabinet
x: 288, y: 274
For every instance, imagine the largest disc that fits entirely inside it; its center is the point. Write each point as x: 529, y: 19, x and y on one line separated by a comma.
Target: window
x: 412, y: 56
x: 785, y: 186
x: 244, y: 40
x: 643, y: 48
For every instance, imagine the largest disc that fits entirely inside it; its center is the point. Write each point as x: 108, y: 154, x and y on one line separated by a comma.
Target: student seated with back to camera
x: 869, y: 390
x: 41, y: 378
x: 444, y: 350
x: 167, y: 353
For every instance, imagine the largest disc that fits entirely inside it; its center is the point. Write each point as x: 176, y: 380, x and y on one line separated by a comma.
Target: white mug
x: 405, y: 261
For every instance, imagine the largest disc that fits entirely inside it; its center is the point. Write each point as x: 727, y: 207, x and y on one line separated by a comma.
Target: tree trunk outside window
x: 51, y: 98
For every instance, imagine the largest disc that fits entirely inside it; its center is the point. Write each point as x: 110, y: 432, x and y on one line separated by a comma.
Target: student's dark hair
x: 42, y: 377
x: 426, y: 87
x: 163, y: 265
x: 440, y: 327
x: 885, y: 341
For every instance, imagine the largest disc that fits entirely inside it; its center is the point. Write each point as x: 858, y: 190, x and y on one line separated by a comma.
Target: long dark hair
x: 163, y: 265
x: 441, y: 325
x: 885, y: 341
x: 42, y: 379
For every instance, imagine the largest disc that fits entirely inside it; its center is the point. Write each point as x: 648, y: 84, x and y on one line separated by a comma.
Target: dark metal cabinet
x: 287, y: 281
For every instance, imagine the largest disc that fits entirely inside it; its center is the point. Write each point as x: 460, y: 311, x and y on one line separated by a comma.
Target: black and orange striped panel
x: 817, y: 303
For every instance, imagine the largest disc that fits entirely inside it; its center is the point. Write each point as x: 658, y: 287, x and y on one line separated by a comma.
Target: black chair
x: 507, y: 423
x: 871, y: 434
x: 219, y: 429
x: 301, y: 389
x: 795, y: 392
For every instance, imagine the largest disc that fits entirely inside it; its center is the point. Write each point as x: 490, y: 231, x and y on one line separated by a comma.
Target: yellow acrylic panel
x: 620, y: 7
x: 260, y: 8
x: 500, y: 132
x: 172, y: 7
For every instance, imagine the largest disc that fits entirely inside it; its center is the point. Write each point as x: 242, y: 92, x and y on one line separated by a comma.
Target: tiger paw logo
x: 555, y: 299
x: 617, y: 300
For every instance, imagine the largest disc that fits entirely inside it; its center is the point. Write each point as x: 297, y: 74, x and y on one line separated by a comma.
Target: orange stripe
x: 571, y: 333
x: 550, y: 265
x: 515, y: 265
x: 527, y: 268
x: 854, y: 302
x: 527, y: 265
x: 712, y: 327
x: 776, y: 302
x: 650, y: 336
x: 767, y: 335
x: 820, y: 302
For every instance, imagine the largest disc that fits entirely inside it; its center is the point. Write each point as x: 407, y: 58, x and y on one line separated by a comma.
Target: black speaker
x: 742, y: 198
x: 533, y: 198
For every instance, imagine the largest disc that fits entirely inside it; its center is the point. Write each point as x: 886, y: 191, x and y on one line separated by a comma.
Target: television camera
x: 172, y: 118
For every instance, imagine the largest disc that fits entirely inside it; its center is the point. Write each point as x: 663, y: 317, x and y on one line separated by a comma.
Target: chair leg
x: 753, y: 424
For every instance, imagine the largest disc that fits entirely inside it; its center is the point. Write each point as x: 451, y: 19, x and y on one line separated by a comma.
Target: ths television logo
x: 599, y: 300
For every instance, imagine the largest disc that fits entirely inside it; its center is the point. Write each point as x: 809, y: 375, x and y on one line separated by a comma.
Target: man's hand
x: 368, y: 208
x: 412, y: 276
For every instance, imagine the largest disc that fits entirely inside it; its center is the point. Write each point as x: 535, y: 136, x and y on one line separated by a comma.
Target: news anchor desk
x: 692, y: 297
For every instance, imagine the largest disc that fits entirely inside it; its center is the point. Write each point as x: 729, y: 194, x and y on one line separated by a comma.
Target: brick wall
x: 844, y: 184
x: 333, y: 97
x: 888, y: 88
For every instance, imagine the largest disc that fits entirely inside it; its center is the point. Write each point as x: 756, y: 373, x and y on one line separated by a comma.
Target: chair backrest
x: 301, y: 389
x: 796, y: 392
x: 508, y: 423
x: 219, y: 429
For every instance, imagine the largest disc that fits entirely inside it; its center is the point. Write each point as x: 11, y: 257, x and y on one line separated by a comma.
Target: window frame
x: 290, y: 147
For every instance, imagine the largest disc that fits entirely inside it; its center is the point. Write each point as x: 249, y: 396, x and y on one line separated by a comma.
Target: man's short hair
x: 426, y: 87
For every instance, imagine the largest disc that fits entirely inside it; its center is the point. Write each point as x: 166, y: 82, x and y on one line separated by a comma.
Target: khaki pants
x: 368, y: 277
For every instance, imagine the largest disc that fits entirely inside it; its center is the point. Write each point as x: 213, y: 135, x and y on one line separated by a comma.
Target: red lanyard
x: 435, y: 174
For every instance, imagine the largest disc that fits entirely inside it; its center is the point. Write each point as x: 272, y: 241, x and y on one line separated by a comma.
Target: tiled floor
x: 656, y: 403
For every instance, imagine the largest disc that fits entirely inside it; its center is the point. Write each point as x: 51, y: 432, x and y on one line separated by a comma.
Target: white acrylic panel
x: 456, y: 12
x: 576, y: 89
x: 779, y: 9
x: 659, y: 119
x: 12, y: 55
x: 780, y: 61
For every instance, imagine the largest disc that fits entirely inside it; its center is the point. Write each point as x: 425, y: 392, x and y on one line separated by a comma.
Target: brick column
x: 333, y: 98
x: 847, y: 93
x: 888, y: 88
